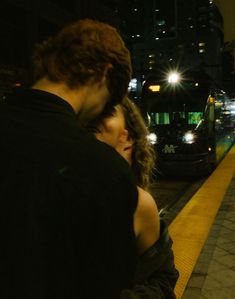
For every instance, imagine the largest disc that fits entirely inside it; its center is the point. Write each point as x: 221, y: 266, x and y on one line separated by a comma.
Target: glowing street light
x: 173, y: 78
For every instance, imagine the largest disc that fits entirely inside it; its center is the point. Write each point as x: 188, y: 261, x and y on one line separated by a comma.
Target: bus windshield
x: 183, y: 104
x: 177, y: 117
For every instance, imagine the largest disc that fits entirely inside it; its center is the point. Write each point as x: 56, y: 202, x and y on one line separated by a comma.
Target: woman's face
x: 112, y: 128
x: 113, y: 132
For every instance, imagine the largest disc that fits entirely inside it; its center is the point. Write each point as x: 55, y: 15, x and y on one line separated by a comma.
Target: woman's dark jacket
x: 156, y: 274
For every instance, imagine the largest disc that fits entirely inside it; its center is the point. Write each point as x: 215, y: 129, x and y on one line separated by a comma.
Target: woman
x: 124, y: 129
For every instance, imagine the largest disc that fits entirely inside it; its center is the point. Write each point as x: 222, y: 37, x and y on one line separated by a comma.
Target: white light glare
x: 173, y: 78
x: 189, y: 137
x: 132, y: 85
x: 152, y: 137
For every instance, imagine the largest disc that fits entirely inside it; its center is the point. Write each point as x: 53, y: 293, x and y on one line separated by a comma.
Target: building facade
x: 169, y: 34
x: 159, y: 33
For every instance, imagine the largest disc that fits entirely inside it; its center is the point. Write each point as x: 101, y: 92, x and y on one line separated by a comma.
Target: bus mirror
x: 211, y: 100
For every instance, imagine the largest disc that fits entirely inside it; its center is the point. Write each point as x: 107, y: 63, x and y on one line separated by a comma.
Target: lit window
x: 161, y: 22
x: 156, y: 38
x: 151, y: 55
x: 201, y: 44
x: 201, y: 50
x: 154, y: 88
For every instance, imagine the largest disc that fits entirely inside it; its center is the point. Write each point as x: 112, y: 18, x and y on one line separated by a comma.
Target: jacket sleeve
x: 156, y: 274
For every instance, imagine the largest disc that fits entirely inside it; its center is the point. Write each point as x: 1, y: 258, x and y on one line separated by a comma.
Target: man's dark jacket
x: 66, y: 204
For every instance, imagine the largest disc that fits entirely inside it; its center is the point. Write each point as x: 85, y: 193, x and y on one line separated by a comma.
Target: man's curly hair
x: 80, y: 52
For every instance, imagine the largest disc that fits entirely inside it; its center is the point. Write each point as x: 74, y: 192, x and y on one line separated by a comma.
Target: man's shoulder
x: 102, y: 159
x: 98, y: 170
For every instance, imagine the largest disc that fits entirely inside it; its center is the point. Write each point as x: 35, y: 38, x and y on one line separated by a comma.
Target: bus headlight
x: 152, y: 138
x: 189, y: 137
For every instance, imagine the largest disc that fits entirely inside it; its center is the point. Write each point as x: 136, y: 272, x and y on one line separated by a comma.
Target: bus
x: 191, y: 122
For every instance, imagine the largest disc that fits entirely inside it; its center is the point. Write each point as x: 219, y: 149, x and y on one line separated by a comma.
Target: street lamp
x: 173, y: 78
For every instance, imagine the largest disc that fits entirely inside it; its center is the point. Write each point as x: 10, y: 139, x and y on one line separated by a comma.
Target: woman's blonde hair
x: 143, y: 154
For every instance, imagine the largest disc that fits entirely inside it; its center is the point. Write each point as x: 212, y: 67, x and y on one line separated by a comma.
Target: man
x: 67, y: 200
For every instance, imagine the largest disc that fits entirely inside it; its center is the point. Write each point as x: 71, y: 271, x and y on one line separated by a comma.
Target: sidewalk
x: 213, y: 276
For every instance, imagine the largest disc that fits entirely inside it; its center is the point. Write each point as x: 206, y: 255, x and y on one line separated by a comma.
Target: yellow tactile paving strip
x: 190, y: 228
